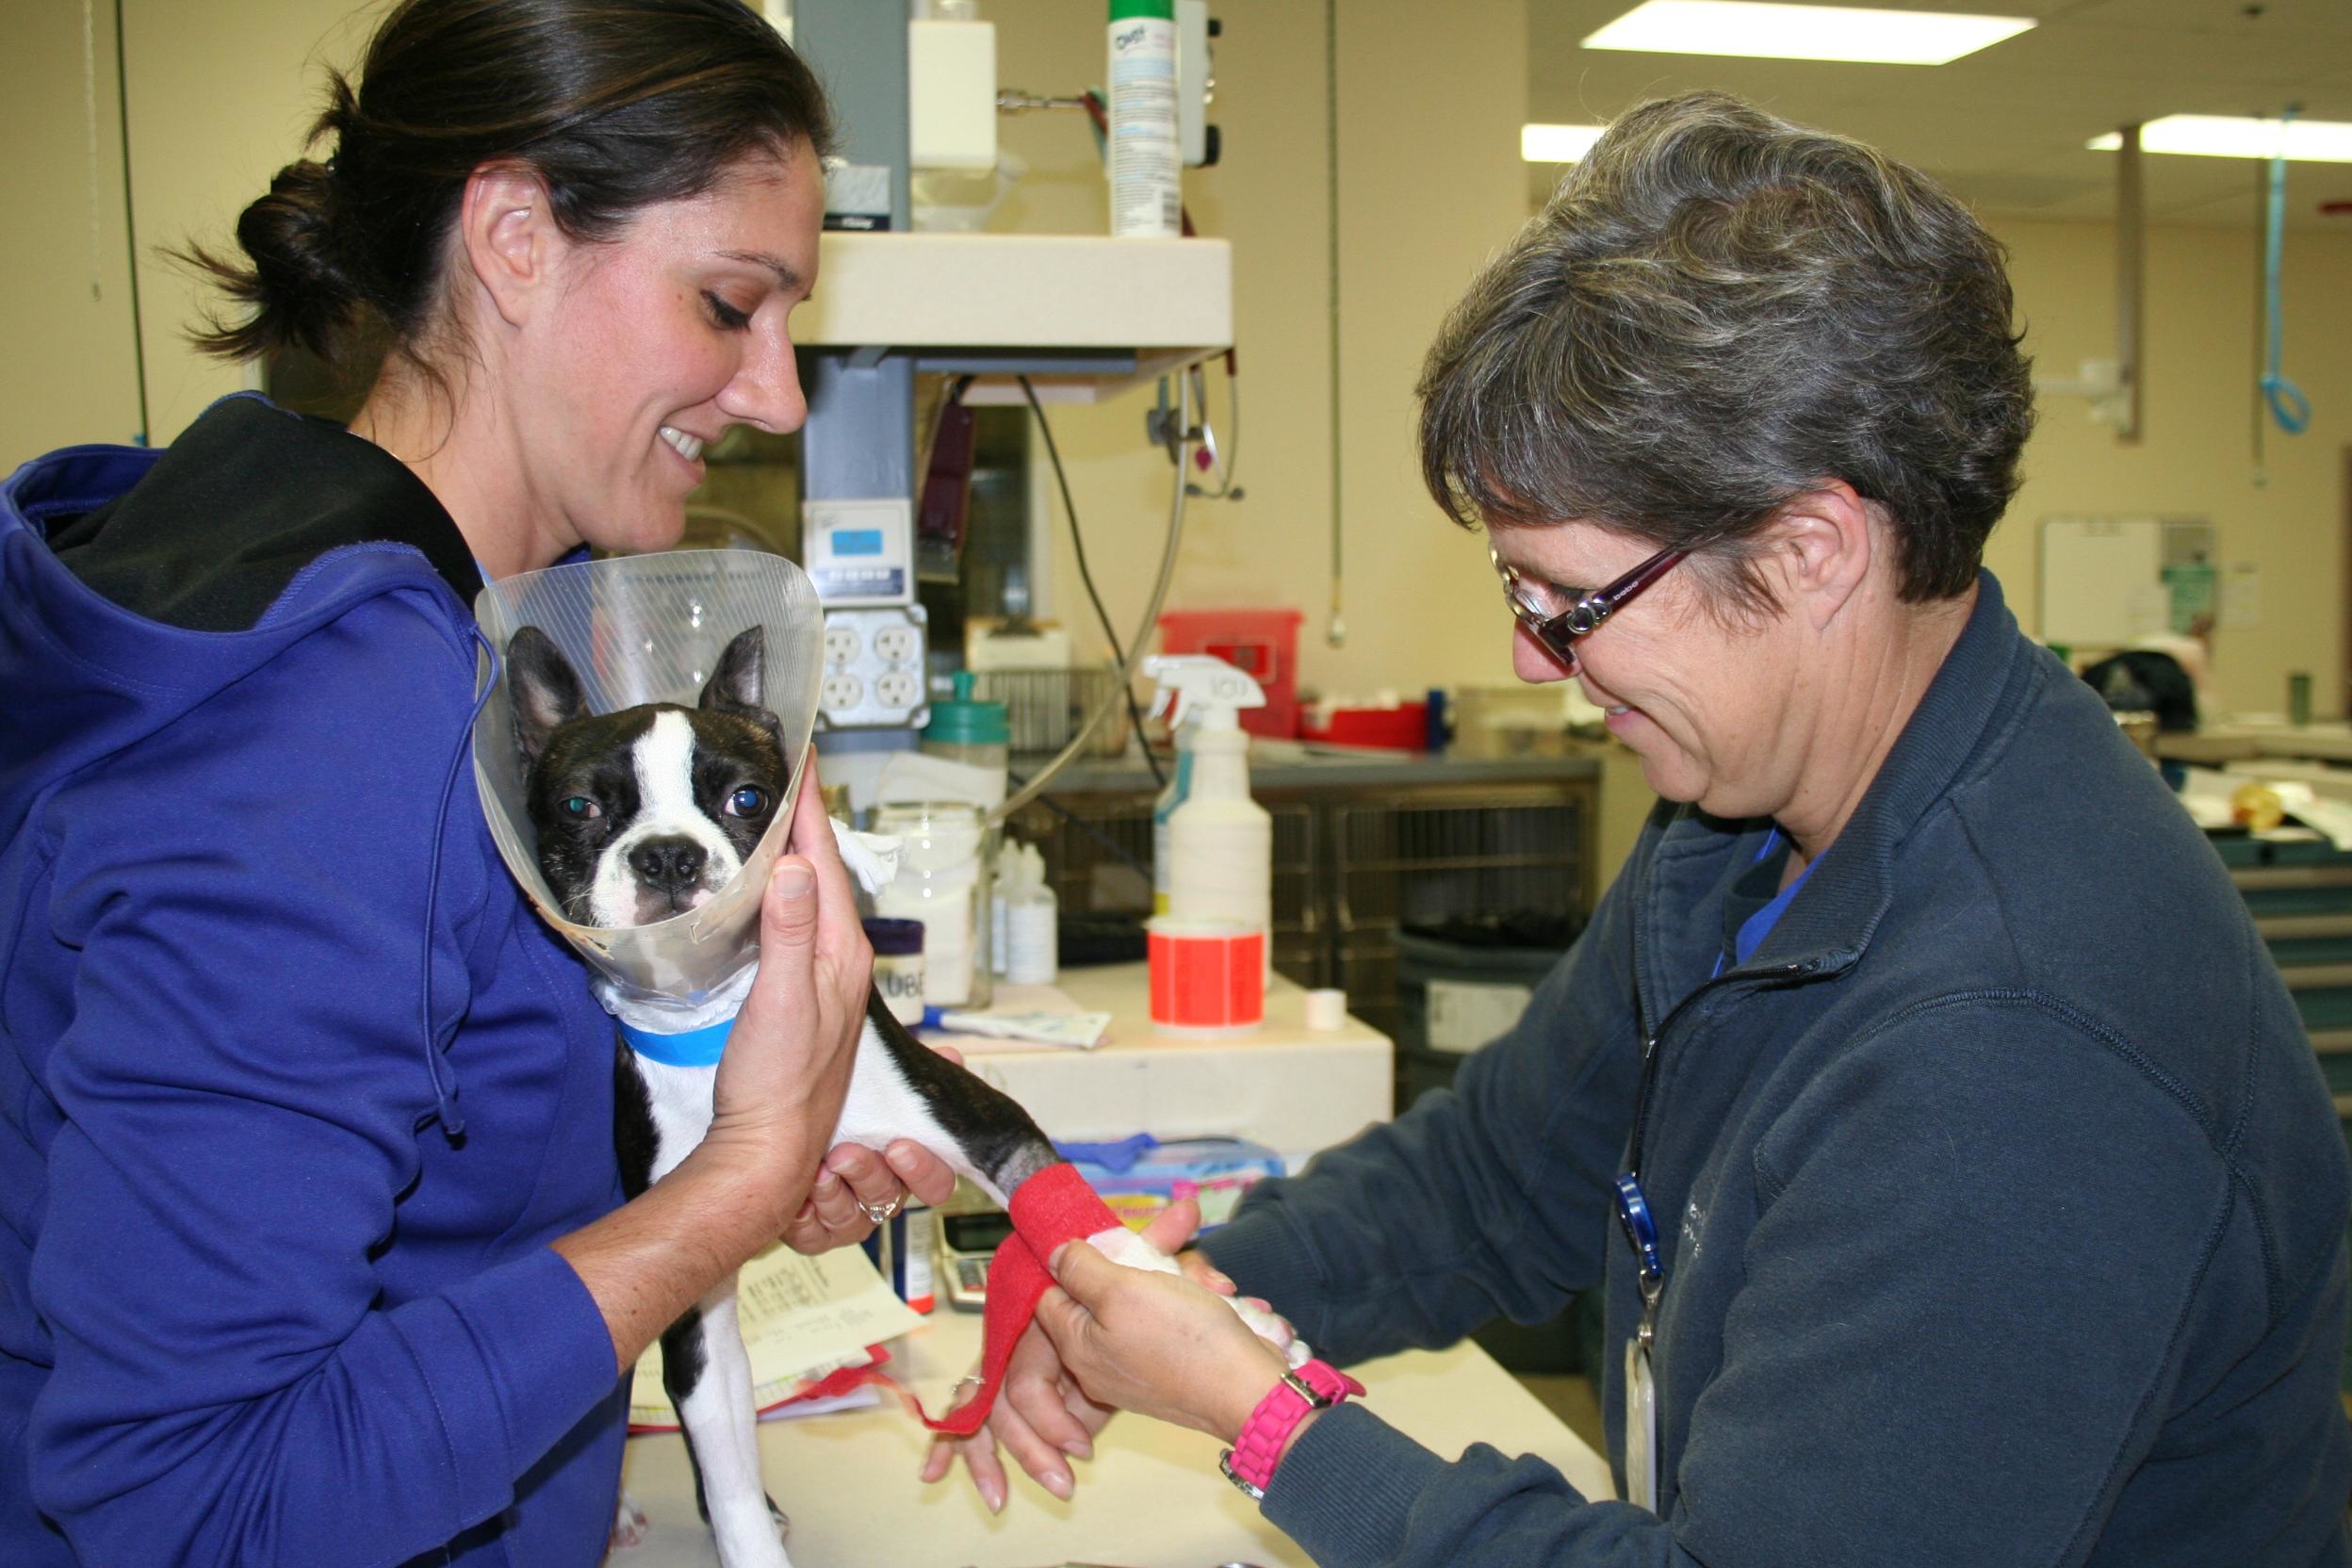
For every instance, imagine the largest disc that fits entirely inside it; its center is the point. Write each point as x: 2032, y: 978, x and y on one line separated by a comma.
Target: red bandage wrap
x: 1050, y: 1208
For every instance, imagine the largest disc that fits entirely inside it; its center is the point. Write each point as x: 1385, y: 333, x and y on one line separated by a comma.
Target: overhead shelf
x: 1082, y: 316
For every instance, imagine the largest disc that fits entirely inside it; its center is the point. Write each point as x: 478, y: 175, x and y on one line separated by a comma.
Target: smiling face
x: 652, y: 345
x: 1706, y: 700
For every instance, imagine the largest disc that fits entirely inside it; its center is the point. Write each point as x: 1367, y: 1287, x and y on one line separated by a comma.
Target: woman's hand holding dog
x: 780, y: 1086
x: 853, y: 1179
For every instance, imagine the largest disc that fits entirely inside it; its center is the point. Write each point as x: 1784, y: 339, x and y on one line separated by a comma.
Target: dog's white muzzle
x: 650, y: 629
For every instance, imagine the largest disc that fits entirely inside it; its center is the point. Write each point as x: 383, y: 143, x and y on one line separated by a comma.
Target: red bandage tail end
x: 1050, y: 1208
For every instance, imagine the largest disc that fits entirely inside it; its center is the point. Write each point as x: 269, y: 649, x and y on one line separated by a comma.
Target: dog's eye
x: 749, y: 801
x: 580, y: 808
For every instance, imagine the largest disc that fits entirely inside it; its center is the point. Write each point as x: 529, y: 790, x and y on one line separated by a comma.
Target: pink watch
x: 1249, y: 1462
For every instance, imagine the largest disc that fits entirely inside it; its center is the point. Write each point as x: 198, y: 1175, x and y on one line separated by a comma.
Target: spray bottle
x: 1145, y: 156
x: 1219, y: 849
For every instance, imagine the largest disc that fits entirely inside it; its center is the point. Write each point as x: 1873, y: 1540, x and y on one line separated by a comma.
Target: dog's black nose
x: 668, y: 865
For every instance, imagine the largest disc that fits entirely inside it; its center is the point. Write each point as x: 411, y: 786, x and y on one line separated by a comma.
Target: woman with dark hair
x: 314, y: 1248
x: 1961, y: 1183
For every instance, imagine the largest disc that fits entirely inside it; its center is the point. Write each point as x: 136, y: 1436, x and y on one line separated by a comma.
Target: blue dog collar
x: 695, y: 1048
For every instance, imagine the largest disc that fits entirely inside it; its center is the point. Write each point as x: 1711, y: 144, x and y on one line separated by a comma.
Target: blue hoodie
x: 294, y: 1087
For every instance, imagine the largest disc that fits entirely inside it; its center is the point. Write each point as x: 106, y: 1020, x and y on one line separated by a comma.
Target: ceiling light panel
x: 2220, y: 135
x: 1759, y: 31
x: 1557, y: 143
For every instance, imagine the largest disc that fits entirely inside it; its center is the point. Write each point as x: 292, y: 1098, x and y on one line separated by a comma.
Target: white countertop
x: 1151, y: 1497
x: 1290, y: 1088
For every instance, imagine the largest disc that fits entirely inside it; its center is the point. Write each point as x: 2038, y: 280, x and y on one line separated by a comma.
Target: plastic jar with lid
x: 943, y: 879
x: 969, y: 729
x: 898, y: 966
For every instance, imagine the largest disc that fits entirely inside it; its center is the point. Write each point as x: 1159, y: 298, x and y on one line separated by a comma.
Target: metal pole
x: 2131, y: 291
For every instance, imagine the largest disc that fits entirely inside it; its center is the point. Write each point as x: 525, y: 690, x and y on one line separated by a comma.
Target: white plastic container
x: 1220, y: 842
x: 1162, y: 807
x: 1145, y: 155
x: 1033, y: 936
x: 944, y: 882
x: 1218, y: 851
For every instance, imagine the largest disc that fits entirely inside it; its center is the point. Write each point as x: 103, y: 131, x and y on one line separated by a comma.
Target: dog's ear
x: 736, y: 686
x: 544, y: 688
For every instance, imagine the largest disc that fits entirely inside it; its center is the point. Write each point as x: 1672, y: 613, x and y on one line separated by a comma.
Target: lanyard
x: 1633, y: 1206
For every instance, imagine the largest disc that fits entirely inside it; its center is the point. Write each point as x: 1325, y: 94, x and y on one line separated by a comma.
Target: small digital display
x: 975, y: 1233
x: 858, y: 541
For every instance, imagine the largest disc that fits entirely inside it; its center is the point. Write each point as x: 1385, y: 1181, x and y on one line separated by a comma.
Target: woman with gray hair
x: 1960, y: 1180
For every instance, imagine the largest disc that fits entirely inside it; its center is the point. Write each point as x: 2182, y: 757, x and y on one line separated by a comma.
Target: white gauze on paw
x: 872, y: 857
x: 1123, y: 1246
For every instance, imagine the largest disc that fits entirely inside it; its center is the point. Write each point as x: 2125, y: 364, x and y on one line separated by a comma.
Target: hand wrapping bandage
x: 1053, y: 1207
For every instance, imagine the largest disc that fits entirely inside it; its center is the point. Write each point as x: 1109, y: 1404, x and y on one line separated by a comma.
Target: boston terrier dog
x: 645, y: 813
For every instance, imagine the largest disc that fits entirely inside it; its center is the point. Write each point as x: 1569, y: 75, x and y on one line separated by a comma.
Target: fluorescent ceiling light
x: 2220, y: 135
x: 1759, y: 31
x: 1557, y: 143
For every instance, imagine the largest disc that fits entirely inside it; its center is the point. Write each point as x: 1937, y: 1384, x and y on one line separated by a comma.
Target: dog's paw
x: 629, y: 1525
x: 1123, y: 1246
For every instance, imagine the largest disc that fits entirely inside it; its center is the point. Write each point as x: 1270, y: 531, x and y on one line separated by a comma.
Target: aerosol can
x: 1213, y: 846
x: 1145, y: 157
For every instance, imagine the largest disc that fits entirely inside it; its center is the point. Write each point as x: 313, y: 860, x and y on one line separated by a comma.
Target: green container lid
x: 1164, y: 10
x: 967, y: 722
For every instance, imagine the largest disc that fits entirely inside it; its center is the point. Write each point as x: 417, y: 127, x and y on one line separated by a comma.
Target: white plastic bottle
x: 1032, y: 923
x: 1220, y: 843
x: 1146, y: 158
x: 1164, y: 807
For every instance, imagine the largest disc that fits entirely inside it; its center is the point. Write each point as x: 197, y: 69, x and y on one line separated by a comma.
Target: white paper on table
x: 2333, y: 818
x: 802, y: 1319
x: 1010, y: 998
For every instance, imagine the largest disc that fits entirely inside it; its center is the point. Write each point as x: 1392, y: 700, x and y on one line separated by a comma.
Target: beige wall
x: 65, y: 303
x: 1425, y: 100
x: 2196, y: 457
x: 1428, y: 109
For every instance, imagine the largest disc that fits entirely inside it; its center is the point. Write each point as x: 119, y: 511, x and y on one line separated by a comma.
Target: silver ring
x: 970, y: 1380
x: 878, y: 1213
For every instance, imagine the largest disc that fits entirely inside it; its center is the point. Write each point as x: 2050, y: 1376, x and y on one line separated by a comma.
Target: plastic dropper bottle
x: 1220, y: 843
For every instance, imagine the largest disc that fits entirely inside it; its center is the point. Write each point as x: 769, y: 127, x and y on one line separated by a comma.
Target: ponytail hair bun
x: 614, y: 104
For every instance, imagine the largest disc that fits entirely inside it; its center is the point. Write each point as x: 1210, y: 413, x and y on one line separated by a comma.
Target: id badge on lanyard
x: 1641, y: 1421
x: 1633, y: 1212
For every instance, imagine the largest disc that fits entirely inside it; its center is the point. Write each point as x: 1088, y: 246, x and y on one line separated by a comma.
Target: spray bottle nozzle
x: 1190, y: 682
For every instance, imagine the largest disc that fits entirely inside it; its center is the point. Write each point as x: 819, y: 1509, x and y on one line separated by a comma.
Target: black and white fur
x: 647, y: 812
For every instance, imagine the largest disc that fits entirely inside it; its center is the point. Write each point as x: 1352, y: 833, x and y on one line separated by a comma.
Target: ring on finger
x: 881, y: 1211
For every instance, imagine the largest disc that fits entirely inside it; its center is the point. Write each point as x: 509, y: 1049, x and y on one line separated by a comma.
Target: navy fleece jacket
x: 2004, y: 1207
x: 260, y: 1300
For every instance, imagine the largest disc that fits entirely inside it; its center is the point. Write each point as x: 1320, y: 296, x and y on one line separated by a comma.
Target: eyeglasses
x: 1559, y: 619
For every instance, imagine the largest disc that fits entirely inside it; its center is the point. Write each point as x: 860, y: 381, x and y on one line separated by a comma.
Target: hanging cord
x: 1143, y: 633
x: 1335, y: 631
x: 438, y: 1039
x: 130, y: 229
x: 1078, y: 548
x: 1220, y: 462
x: 1109, y: 845
x: 2286, y: 401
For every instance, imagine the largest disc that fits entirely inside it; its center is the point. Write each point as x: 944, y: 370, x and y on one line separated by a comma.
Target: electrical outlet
x: 898, y: 644
x: 874, y: 668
